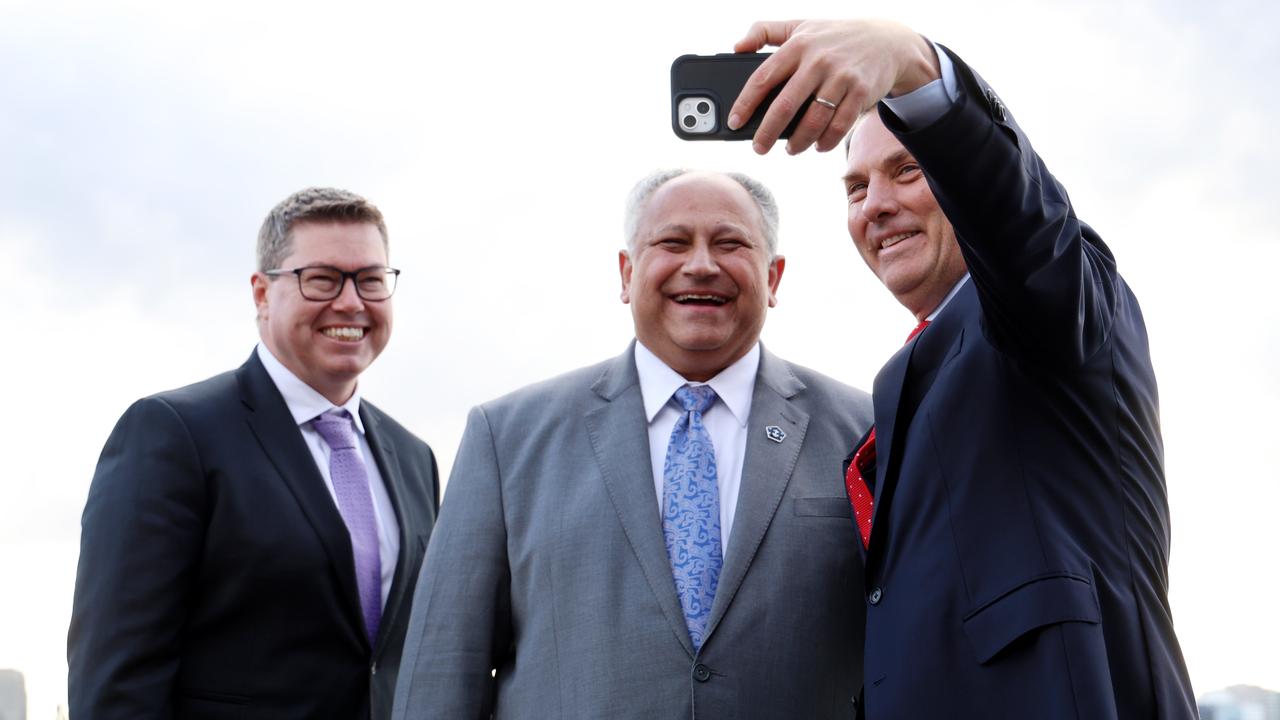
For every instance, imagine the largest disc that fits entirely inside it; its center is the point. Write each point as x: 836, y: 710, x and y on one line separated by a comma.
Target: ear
x: 261, y: 283
x: 776, y: 266
x: 624, y: 270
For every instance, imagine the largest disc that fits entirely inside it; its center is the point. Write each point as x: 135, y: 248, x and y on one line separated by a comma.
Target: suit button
x: 701, y: 673
x: 373, y: 669
x: 874, y: 596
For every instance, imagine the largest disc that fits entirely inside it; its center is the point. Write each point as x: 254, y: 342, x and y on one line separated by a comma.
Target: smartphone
x: 704, y: 88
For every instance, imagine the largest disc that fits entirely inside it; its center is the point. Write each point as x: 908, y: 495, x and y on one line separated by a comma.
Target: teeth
x: 344, y: 333
x: 890, y: 242
x: 712, y: 298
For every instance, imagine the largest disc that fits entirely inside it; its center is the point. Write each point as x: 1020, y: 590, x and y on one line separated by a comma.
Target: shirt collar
x: 955, y: 290
x: 303, y: 401
x: 734, y: 385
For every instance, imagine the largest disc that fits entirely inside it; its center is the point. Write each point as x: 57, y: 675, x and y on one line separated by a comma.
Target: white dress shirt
x: 305, y: 404
x: 946, y: 300
x: 725, y: 421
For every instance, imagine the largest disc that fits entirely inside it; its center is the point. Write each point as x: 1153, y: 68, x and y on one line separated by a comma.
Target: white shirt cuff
x: 927, y: 103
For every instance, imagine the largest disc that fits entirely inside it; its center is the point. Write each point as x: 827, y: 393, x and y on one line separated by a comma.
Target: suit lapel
x: 384, y: 454
x: 281, y: 441
x: 885, y: 396
x: 766, y: 471
x: 619, y: 439
x: 916, y: 364
x: 935, y: 348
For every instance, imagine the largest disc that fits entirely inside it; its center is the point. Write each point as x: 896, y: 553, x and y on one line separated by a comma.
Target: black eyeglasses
x: 322, y: 283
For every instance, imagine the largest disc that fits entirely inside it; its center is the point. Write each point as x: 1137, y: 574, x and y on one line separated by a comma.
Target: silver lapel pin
x: 775, y: 433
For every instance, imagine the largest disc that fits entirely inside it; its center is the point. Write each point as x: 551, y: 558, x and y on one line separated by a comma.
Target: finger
x: 768, y: 32
x: 783, y: 108
x: 842, y: 121
x: 774, y: 70
x: 817, y: 118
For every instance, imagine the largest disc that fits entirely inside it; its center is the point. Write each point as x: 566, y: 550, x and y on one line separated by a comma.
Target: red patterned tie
x: 854, y: 478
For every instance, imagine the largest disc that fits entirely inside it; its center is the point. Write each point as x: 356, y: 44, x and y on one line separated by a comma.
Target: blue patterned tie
x: 691, y: 511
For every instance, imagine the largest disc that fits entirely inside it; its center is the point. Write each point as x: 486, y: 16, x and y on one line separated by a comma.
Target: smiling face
x: 699, y: 278
x: 326, y: 344
x: 896, y: 223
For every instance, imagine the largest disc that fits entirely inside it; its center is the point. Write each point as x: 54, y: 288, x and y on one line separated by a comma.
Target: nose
x: 881, y: 201
x: 348, y: 300
x: 700, y: 262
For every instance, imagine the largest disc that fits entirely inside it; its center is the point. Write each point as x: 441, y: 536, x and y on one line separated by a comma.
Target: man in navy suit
x: 250, y: 542
x: 1011, y: 497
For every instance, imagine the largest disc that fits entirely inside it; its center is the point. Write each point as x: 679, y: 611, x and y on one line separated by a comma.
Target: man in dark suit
x: 1011, y: 496
x: 250, y: 543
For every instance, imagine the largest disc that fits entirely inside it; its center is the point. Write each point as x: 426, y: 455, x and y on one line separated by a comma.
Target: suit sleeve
x: 460, y: 629
x: 1047, y: 283
x: 141, y: 538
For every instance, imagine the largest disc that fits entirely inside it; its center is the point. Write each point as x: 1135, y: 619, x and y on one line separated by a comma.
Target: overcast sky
x: 141, y: 143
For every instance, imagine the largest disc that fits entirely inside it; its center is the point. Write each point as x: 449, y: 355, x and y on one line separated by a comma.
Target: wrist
x: 919, y: 67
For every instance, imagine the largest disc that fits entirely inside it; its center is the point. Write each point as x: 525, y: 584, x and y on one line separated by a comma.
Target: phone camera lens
x: 690, y: 121
x: 704, y: 107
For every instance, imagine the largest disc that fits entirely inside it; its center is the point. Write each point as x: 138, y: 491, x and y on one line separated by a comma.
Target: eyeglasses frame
x: 342, y: 282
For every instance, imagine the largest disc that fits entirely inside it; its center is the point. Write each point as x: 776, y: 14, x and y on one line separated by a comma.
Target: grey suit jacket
x: 548, y: 565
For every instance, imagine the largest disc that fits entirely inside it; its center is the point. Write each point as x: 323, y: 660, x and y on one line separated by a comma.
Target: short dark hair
x: 314, y: 204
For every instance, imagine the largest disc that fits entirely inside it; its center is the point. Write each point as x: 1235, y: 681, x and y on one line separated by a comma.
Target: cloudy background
x: 142, y: 142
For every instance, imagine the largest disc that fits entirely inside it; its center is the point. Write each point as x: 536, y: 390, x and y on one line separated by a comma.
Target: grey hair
x: 645, y: 189
x: 314, y: 204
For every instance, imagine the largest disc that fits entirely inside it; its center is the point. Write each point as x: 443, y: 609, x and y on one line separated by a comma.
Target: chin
x: 901, y: 283
x: 702, y: 342
x: 345, y: 369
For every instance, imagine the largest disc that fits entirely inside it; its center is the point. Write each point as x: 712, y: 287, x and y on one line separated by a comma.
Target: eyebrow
x: 326, y: 266
x: 719, y: 228
x: 897, y: 157
x: 670, y: 228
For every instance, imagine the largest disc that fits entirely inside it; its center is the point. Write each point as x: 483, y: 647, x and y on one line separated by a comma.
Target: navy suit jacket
x: 1019, y: 547
x: 216, y: 577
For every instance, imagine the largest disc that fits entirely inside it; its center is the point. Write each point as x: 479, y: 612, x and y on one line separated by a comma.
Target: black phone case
x: 721, y: 78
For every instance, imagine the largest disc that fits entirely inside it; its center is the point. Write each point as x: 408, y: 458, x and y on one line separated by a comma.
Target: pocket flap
x: 837, y: 507
x: 1035, y: 604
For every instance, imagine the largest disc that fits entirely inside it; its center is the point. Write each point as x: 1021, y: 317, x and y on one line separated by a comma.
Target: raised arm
x: 1047, y: 282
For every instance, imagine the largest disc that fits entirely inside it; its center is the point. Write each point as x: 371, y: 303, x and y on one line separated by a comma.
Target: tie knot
x: 918, y: 329
x: 695, y: 399
x: 335, y: 427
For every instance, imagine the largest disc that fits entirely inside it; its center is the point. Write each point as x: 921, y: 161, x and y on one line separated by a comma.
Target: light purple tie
x: 355, y: 502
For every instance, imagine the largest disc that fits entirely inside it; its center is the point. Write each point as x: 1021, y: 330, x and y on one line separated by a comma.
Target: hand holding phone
x: 847, y: 66
x: 703, y: 90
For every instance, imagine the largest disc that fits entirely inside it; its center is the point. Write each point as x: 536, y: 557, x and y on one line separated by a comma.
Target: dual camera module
x: 697, y: 114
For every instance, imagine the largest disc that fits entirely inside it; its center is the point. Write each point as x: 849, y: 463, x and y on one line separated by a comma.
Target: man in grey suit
x: 665, y: 534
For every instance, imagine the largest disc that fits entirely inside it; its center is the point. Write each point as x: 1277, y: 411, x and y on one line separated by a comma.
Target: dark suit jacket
x: 216, y: 577
x: 1019, y: 548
